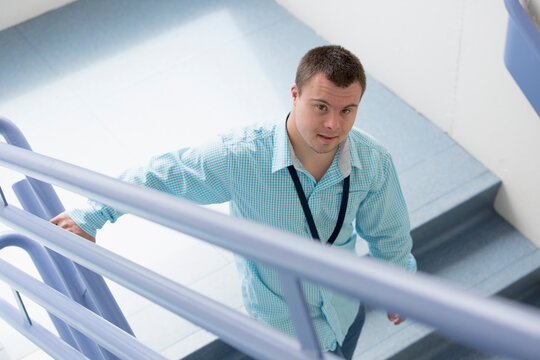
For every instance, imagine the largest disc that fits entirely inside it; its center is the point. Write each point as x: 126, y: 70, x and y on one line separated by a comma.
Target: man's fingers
x: 395, y: 318
x: 61, y: 219
x: 65, y: 222
x: 55, y: 220
x: 62, y: 224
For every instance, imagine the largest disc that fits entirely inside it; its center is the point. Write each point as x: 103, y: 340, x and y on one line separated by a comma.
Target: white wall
x: 13, y: 12
x: 3, y: 353
x: 445, y: 58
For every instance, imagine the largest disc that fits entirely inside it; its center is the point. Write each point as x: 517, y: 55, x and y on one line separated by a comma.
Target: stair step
x: 434, y: 346
x: 217, y: 349
x: 436, y: 221
x: 487, y: 258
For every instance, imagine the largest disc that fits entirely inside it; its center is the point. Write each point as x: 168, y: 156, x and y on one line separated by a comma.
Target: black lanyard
x: 307, y: 211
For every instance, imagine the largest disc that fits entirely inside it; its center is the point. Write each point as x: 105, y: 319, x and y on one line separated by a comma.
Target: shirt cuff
x: 411, y: 264
x: 88, y: 218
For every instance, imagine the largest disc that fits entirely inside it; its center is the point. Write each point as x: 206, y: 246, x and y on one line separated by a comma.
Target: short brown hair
x: 338, y: 64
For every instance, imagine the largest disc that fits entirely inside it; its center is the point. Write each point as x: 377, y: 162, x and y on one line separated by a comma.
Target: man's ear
x: 295, y: 94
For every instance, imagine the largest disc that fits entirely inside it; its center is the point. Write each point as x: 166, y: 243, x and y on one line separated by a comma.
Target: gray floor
x: 106, y: 84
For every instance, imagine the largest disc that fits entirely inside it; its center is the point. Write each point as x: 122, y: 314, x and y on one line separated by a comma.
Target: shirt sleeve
x: 383, y: 220
x: 197, y: 174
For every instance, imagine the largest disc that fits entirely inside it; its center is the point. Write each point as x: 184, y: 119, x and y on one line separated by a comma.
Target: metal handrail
x: 52, y: 277
x: 72, y: 280
x: 522, y: 52
x: 100, y: 330
x: 39, y: 335
x: 493, y: 325
x: 232, y: 326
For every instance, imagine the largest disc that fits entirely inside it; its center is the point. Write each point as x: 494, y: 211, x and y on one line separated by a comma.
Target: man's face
x: 323, y: 114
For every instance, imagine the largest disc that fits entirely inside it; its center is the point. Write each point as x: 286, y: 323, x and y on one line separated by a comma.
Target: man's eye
x: 346, y: 111
x: 321, y: 107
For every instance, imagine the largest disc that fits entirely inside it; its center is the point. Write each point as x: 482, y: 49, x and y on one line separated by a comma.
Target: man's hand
x: 395, y: 318
x: 65, y: 222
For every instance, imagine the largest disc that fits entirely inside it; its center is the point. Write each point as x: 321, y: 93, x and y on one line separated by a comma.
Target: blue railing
x: 522, y: 52
x: 72, y: 280
x: 493, y: 325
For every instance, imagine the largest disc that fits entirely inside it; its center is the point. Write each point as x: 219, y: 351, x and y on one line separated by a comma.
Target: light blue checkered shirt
x: 248, y: 168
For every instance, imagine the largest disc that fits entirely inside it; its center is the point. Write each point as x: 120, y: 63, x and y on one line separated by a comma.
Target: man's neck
x: 317, y: 165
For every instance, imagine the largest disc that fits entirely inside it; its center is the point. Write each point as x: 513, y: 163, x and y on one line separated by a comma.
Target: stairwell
x: 458, y: 237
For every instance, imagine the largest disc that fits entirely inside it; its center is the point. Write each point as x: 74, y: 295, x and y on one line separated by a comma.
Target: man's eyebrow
x: 327, y: 103
x: 321, y: 100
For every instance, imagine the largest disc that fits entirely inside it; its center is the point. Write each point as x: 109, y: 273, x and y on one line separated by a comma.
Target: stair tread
x: 484, y: 261
x: 473, y: 256
x: 433, y: 208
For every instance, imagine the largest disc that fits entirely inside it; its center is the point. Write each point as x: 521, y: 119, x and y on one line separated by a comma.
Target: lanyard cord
x: 307, y: 211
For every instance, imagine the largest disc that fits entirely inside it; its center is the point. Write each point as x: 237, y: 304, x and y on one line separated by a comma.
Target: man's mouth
x: 326, y: 139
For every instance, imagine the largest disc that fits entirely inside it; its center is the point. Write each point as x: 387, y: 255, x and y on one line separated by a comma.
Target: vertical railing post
x: 3, y: 201
x: 300, y: 314
x: 21, y: 306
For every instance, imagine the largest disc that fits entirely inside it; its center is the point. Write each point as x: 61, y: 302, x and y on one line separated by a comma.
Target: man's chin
x: 324, y: 149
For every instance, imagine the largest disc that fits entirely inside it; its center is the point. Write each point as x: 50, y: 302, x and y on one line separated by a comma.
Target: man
x: 311, y: 174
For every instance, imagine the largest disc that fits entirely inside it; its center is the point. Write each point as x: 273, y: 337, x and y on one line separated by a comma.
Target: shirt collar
x: 283, y: 153
x: 354, y: 152
x: 284, y: 156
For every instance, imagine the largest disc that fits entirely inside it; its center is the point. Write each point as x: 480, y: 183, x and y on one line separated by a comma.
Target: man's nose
x: 331, y: 121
